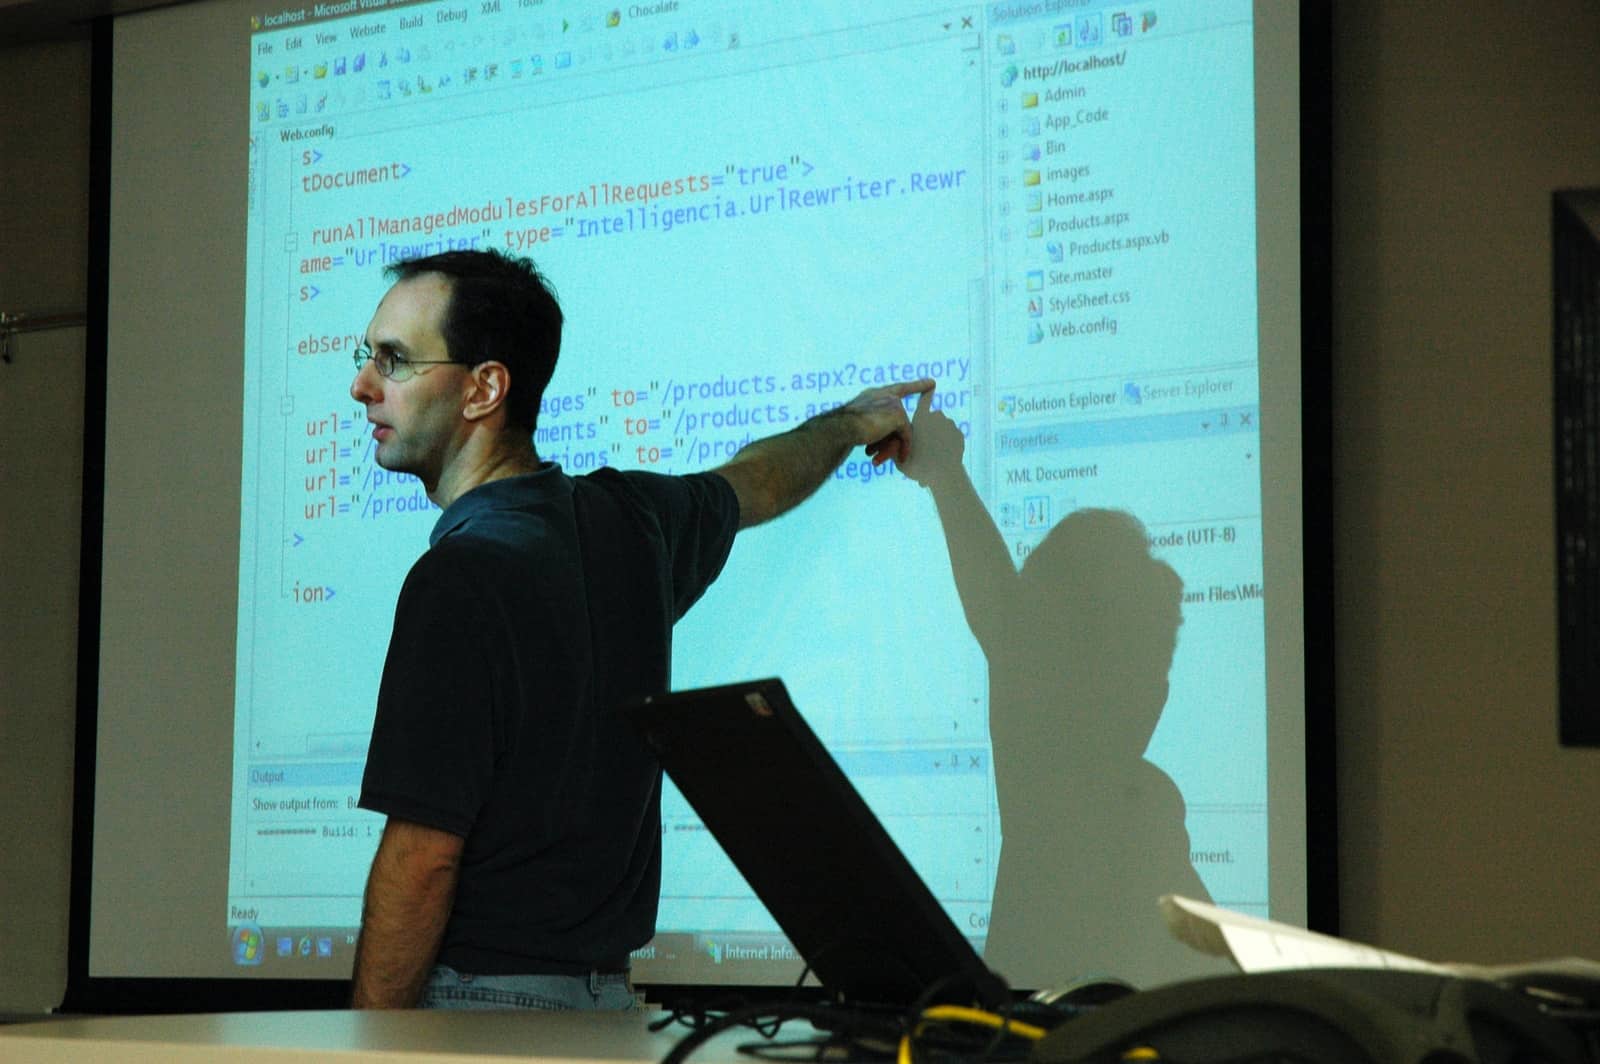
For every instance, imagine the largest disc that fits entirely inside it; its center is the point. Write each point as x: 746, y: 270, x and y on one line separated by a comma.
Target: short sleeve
x: 700, y: 544
x: 699, y: 516
x: 431, y: 758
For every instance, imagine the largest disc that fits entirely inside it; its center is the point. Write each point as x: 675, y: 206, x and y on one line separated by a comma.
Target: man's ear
x: 490, y: 388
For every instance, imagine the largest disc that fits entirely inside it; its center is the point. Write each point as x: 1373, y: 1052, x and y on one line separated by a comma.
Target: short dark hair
x: 502, y: 309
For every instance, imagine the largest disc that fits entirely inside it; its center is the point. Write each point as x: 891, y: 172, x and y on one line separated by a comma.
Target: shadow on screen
x: 1079, y: 644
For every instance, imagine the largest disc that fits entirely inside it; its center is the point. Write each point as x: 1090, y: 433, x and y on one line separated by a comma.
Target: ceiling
x: 30, y: 21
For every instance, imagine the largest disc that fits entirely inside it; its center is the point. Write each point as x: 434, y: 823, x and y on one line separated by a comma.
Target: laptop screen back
x: 808, y: 845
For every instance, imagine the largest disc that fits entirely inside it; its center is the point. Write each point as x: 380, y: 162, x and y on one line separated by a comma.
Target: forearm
x: 986, y: 577
x: 776, y: 474
x: 407, y: 902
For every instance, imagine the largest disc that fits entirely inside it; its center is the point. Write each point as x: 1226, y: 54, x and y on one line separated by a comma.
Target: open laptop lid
x: 811, y: 849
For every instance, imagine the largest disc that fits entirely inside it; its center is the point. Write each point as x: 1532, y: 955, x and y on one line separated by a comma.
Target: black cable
x: 876, y: 1032
x: 694, y: 1013
x: 1000, y: 1033
x: 782, y: 1051
x: 675, y: 1014
x: 704, y: 1032
x: 962, y: 1040
x: 763, y: 1018
x: 932, y: 994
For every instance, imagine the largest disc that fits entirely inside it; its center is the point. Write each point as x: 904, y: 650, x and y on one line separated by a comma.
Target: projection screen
x: 1081, y: 219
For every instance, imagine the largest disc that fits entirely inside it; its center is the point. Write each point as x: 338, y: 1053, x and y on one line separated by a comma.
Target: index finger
x: 901, y: 389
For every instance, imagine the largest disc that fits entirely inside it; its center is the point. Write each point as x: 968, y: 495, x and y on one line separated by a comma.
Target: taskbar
x: 290, y: 952
x: 735, y: 958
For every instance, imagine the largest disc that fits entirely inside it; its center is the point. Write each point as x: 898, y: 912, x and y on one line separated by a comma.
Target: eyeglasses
x: 393, y: 367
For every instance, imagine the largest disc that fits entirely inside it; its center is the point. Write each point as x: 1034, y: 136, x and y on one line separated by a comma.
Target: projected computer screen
x: 751, y: 212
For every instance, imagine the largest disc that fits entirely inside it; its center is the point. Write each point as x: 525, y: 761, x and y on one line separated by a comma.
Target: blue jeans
x: 449, y: 989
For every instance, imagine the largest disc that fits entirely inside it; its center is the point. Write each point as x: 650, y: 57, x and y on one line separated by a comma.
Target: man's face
x: 415, y: 421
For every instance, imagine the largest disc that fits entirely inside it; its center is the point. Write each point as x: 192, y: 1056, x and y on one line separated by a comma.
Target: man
x: 520, y: 863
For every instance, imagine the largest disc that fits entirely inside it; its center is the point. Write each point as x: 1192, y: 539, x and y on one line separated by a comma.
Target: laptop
x: 802, y: 837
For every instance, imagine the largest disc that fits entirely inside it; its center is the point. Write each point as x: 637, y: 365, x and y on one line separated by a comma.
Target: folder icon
x: 1030, y: 99
x: 1030, y: 178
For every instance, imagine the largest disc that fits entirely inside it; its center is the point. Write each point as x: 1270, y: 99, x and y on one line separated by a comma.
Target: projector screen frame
x: 98, y: 994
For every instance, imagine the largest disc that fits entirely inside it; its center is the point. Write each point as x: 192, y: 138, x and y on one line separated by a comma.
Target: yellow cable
x: 962, y: 1014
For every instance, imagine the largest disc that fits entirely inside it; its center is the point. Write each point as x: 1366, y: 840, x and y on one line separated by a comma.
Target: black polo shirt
x: 544, y: 603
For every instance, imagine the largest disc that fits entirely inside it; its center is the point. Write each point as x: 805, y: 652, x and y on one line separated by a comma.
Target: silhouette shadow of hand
x: 938, y: 445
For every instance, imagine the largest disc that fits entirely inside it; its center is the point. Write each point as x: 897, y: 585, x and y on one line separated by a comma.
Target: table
x: 348, y: 1037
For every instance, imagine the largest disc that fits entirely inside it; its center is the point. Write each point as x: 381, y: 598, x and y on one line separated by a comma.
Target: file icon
x: 1035, y: 227
x: 1030, y: 99
x: 1030, y: 178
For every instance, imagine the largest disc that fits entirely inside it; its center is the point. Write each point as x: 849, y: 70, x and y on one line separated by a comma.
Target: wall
x: 44, y: 196
x: 1465, y: 831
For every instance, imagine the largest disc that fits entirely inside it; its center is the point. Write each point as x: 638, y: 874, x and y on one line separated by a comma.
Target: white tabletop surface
x: 400, y: 1036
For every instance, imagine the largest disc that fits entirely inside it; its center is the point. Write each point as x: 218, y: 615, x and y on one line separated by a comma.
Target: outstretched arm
x: 409, y: 894
x: 986, y: 578
x: 773, y: 475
